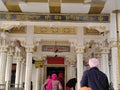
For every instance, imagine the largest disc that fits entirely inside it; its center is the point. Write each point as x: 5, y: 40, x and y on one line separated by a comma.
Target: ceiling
x: 60, y: 6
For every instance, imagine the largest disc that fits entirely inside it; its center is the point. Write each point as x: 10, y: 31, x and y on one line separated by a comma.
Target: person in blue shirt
x: 94, y: 78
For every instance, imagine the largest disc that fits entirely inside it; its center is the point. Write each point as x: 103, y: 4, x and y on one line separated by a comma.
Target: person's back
x: 94, y: 78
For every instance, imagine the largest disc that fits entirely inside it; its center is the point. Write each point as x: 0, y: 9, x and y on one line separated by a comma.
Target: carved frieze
x: 19, y: 29
x: 55, y: 17
x: 55, y: 30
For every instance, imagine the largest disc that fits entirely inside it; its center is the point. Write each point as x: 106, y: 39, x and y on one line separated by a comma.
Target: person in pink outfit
x: 61, y: 79
x: 45, y: 84
x: 53, y: 83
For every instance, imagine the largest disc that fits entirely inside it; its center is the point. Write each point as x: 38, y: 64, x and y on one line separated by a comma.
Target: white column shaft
x: 8, y: 71
x: 3, y: 58
x: 114, y: 68
x: 28, y: 71
x: 17, y: 74
x: 79, y: 69
x: 8, y: 68
x: 37, y: 85
x: 21, y: 75
x: 105, y: 64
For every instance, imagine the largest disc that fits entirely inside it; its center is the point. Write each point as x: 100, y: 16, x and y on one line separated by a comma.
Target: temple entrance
x: 58, y: 69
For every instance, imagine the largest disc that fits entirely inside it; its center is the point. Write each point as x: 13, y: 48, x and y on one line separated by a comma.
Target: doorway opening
x: 57, y: 69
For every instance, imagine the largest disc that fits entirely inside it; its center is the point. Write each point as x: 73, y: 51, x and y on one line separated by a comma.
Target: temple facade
x: 31, y: 50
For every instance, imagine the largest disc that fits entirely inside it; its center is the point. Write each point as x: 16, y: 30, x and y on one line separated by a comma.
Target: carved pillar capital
x: 105, y: 50
x: 10, y: 51
x: 79, y: 49
x: 3, y: 48
x: 29, y: 49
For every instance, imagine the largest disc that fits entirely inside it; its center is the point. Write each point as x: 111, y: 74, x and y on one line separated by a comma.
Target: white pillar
x: 21, y: 75
x: 17, y: 78
x: 73, y: 71
x: 8, y: 69
x: 105, y: 61
x: 114, y: 68
x: 79, y: 52
x: 3, y: 59
x: 37, y: 82
x: 28, y: 73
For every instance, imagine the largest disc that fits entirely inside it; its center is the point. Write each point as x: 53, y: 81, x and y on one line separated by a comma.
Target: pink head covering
x: 54, y: 76
x: 93, y: 62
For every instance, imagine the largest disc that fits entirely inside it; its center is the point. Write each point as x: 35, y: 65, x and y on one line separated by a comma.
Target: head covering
x: 93, y: 62
x: 54, y: 76
x: 60, y: 75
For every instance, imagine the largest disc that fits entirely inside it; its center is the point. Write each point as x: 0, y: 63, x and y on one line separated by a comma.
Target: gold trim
x: 18, y: 29
x: 36, y: 1
x: 12, y: 16
x: 96, y: 7
x: 70, y: 30
x: 72, y: 1
x: 90, y: 31
x: 13, y: 6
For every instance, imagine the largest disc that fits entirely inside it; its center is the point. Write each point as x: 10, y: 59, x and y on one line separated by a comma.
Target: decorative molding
x: 15, y: 29
x: 90, y: 31
x: 95, y: 30
x: 53, y: 48
x: 18, y: 29
x: 53, y: 42
x: 54, y: 17
x: 55, y: 30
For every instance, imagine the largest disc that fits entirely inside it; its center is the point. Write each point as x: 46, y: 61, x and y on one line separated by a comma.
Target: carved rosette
x: 105, y: 50
x: 80, y: 50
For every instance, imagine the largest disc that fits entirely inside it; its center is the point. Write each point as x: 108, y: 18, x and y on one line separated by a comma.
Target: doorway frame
x: 55, y: 65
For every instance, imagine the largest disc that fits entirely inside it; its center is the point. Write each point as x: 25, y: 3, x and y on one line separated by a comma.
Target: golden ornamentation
x: 3, y: 48
x: 95, y: 30
x: 54, y: 17
x: 29, y: 49
x: 80, y: 50
x: 18, y: 29
x: 55, y: 30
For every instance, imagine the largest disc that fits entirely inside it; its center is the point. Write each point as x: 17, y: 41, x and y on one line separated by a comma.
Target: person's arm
x: 84, y: 80
x: 60, y: 86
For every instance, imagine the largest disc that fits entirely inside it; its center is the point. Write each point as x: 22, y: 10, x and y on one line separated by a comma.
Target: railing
x: 11, y: 87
